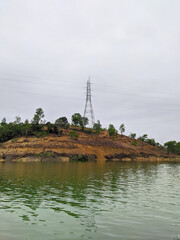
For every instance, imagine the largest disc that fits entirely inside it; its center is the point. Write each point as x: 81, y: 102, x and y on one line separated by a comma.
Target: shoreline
x: 86, y: 158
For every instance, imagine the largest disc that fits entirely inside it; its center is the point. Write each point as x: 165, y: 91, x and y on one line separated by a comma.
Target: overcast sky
x: 131, y: 49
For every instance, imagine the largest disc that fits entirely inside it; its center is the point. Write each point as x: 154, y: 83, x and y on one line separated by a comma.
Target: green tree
x: 132, y: 135
x: 151, y: 141
x: 122, y: 128
x: 27, y: 129
x: 55, y: 129
x: 112, y: 131
x: 3, y: 122
x: 143, y: 138
x: 26, y: 121
x: 17, y: 120
x: 76, y: 118
x: 83, y: 122
x: 97, y: 127
x: 178, y: 148
x: 38, y: 116
x: 170, y: 146
x: 62, y: 122
x: 38, y: 119
x: 80, y: 121
x: 49, y: 126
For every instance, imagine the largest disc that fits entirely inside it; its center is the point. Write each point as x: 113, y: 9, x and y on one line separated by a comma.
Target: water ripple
x: 87, y: 200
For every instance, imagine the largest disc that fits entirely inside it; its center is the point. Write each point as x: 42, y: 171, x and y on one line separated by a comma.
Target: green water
x: 89, y: 201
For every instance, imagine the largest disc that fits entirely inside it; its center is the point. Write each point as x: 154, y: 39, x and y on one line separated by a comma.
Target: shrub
x: 132, y: 135
x: 41, y: 134
x: 143, y: 138
x: 89, y: 131
x: 151, y: 141
x: 73, y: 134
x: 46, y: 154
x: 134, y: 143
x: 79, y: 158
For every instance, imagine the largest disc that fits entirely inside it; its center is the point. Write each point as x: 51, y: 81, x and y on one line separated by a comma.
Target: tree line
x: 39, y: 127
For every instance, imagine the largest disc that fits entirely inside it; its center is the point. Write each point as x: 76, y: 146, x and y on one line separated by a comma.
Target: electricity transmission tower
x: 88, y: 111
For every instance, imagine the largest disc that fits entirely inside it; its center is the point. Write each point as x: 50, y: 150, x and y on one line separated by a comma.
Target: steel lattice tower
x: 88, y: 111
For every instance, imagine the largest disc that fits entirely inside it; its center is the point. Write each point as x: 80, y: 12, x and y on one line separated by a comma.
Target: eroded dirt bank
x: 87, y: 147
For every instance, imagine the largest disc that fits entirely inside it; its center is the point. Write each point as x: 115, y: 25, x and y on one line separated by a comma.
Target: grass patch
x: 46, y: 155
x: 14, y: 140
x: 134, y: 143
x: 79, y: 158
x: 73, y: 135
x: 41, y: 134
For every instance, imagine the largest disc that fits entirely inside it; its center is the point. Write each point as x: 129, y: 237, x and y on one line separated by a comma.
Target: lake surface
x: 89, y: 201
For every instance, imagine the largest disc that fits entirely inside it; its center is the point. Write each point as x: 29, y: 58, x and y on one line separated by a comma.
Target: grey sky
x: 131, y: 49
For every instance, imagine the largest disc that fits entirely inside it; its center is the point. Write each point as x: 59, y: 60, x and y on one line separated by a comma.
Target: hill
x: 94, y: 147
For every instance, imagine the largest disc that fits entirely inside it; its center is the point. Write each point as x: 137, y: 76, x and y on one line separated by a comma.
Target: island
x: 63, y: 142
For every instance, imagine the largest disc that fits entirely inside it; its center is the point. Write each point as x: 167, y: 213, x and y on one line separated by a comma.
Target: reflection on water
x: 89, y: 201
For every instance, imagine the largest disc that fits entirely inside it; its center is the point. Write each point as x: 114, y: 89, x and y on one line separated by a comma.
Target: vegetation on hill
x: 39, y: 127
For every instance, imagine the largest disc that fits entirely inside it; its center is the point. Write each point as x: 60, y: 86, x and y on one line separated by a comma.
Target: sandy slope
x: 97, y: 147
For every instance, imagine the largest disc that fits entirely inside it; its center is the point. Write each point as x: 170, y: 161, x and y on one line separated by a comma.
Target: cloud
x: 130, y: 48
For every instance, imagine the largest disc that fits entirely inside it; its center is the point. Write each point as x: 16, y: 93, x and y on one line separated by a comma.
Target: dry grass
x: 101, y: 145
